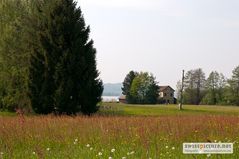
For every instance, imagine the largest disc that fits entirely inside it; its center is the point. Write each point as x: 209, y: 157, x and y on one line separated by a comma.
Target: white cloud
x: 231, y: 24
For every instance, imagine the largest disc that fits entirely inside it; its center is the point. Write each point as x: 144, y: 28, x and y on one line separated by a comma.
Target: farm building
x: 122, y: 99
x: 166, y: 95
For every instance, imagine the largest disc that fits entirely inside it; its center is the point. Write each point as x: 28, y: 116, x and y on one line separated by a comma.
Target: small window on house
x: 165, y: 94
x: 171, y: 94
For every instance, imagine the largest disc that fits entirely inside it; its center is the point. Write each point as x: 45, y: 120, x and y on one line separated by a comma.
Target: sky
x: 163, y: 37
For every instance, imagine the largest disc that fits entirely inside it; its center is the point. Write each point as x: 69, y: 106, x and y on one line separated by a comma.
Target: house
x: 166, y: 95
x: 122, y: 99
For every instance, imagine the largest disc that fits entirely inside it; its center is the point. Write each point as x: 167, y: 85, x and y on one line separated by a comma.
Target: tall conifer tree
x: 63, y: 73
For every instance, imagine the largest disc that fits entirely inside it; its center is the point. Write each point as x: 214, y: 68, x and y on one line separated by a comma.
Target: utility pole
x: 181, y: 93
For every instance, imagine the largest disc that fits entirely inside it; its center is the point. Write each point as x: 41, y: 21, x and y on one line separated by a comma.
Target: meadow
x: 119, y: 131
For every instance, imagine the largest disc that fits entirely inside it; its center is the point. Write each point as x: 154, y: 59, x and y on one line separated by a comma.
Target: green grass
x: 6, y: 113
x: 160, y: 110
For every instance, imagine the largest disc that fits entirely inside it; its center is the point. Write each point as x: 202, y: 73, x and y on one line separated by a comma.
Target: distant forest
x: 215, y: 89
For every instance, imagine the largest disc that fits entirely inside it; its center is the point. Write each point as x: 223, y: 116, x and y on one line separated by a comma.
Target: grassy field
x: 119, y: 131
x: 165, y: 110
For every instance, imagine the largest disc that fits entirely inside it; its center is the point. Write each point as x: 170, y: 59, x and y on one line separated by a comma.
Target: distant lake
x: 110, y: 98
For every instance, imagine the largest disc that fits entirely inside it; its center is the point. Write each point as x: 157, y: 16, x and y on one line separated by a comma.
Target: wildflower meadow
x: 109, y: 136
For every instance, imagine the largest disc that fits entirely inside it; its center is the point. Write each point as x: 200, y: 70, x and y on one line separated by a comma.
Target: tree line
x: 140, y: 88
x: 216, y: 89
x: 47, y: 60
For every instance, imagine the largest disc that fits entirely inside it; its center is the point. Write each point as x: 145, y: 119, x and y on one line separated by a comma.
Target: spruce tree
x: 63, y: 74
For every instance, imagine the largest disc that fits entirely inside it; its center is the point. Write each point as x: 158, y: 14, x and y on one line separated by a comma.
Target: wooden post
x: 181, y: 93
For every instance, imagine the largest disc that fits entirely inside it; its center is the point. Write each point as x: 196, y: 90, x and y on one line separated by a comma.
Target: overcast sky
x: 163, y: 36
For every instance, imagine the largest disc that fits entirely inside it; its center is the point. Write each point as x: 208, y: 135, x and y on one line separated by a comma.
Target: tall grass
x: 114, y: 136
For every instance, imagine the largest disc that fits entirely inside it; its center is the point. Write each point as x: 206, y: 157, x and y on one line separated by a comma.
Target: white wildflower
x: 1, y: 153
x: 48, y: 149
x: 100, y: 153
x: 123, y: 157
x: 91, y: 148
x: 208, y: 155
x: 112, y: 150
x: 132, y: 152
x: 33, y: 153
x: 166, y: 147
x: 110, y: 158
x: 88, y: 145
x: 173, y: 148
